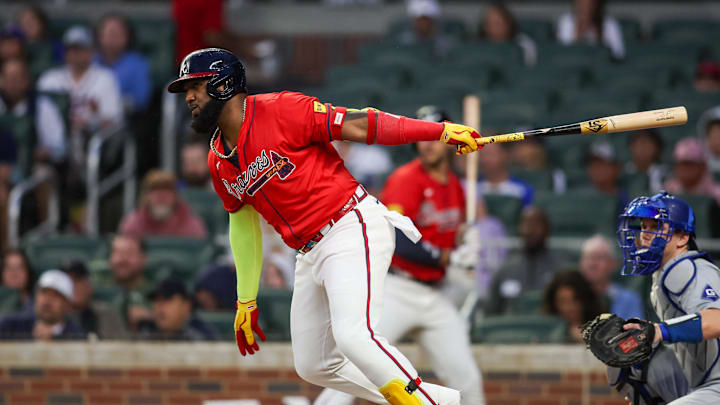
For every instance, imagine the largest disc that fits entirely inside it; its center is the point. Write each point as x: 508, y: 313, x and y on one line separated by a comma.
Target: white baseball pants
x: 337, y: 302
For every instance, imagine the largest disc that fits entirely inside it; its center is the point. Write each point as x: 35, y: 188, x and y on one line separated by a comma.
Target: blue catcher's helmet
x: 219, y: 65
x: 663, y: 208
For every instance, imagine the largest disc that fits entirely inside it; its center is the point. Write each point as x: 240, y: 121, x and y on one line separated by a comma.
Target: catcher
x: 674, y: 361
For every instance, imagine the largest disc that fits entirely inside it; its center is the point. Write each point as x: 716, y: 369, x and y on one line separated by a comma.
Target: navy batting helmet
x: 664, y: 208
x: 219, y: 65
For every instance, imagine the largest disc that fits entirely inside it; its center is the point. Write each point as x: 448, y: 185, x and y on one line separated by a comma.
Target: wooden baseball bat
x: 471, y: 116
x: 663, y: 117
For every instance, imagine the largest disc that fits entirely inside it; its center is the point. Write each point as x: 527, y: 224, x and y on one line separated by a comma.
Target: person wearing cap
x: 95, y: 318
x: 162, y: 212
x: 425, y: 29
x: 49, y: 319
x: 603, y: 170
x: 690, y: 171
x: 173, y: 317
x: 94, y: 92
x: 707, y: 77
x: 12, y: 44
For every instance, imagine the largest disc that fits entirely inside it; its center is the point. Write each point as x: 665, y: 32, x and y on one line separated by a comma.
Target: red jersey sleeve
x: 307, y: 120
x: 229, y: 198
x: 401, y: 193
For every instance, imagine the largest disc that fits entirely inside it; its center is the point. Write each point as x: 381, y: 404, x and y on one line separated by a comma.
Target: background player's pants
x: 441, y: 332
x: 337, y: 301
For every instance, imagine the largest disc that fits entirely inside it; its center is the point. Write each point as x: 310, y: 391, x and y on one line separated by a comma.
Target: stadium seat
x: 540, y: 30
x: 22, y: 129
x: 636, y: 184
x: 529, y: 303
x: 275, y: 314
x: 153, y: 36
x: 519, y: 329
x: 484, y: 54
x: 407, y: 102
x: 579, y: 213
x: 601, y: 103
x: 539, y: 179
x: 388, y: 76
x: 702, y: 208
x: 9, y: 301
x: 181, y: 258
x: 631, y: 30
x: 507, y: 209
x: 575, y: 55
x: 377, y: 52
x: 206, y: 205
x: 458, y: 79
x: 222, y: 322
x: 58, y: 25
x: 544, y: 79
x: 52, y: 252
x: 665, y: 30
x: 453, y: 27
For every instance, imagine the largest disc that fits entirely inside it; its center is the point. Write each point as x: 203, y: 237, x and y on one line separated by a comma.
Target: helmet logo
x: 185, y: 68
x: 217, y: 65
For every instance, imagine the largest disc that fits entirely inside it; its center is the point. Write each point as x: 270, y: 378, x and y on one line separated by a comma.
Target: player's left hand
x: 658, y: 333
x: 462, y: 136
x: 246, y: 324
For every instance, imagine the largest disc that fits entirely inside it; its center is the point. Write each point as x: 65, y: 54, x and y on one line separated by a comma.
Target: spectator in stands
x: 529, y: 269
x: 16, y: 274
x: 173, y: 315
x: 590, y: 24
x: 604, y: 172
x: 493, y: 250
x: 690, y: 171
x: 530, y: 154
x: 707, y: 77
x: 12, y: 44
x: 49, y: 320
x: 571, y: 297
x: 8, y: 157
x: 709, y: 131
x: 425, y: 15
x: 646, y: 149
x: 116, y: 39
x: 194, y: 167
x: 495, y: 175
x: 42, y: 52
x: 162, y: 211
x: 93, y: 90
x: 278, y: 271
x: 215, y: 289
x: 127, y: 267
x: 369, y: 164
x: 499, y: 25
x: 598, y: 263
x: 18, y: 98
x: 95, y: 318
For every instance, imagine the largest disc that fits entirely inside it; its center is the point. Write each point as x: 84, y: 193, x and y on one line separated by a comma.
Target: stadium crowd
x: 163, y: 272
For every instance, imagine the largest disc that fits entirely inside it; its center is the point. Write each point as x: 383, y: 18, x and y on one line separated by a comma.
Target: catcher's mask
x: 662, y: 208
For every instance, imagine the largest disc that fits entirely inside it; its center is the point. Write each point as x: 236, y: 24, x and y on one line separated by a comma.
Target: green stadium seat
x: 23, y: 130
x: 541, y: 180
x: 544, y: 79
x: 575, y: 55
x: 594, y: 104
x: 636, y: 184
x: 695, y: 103
x: 181, y: 258
x: 702, y: 208
x: 377, y: 52
x: 503, y: 118
x: 10, y: 301
x: 529, y: 303
x: 453, y: 27
x: 155, y: 39
x: 52, y: 252
x: 222, y: 322
x: 275, y: 314
x: 505, y: 208
x: 458, y: 79
x: 406, y: 102
x: 387, y: 76
x: 58, y: 25
x: 667, y: 29
x: 205, y: 204
x: 631, y: 30
x: 482, y: 54
x: 579, y: 213
x: 540, y: 30
x: 519, y: 329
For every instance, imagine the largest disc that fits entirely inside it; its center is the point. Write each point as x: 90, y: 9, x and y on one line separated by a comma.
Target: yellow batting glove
x: 246, y: 323
x: 462, y: 136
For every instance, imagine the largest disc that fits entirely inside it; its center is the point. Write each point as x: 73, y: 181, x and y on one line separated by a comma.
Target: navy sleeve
x: 422, y: 252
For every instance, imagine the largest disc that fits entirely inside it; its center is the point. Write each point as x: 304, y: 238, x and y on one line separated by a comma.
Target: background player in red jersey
x: 272, y: 155
x: 429, y: 193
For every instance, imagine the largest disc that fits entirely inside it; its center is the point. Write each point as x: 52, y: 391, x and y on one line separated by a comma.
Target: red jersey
x: 285, y: 166
x: 436, y: 209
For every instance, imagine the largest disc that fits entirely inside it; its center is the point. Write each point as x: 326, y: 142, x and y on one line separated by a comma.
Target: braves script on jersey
x: 285, y: 166
x: 435, y: 208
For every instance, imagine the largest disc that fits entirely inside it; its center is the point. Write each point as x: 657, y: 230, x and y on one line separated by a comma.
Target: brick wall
x: 182, y: 374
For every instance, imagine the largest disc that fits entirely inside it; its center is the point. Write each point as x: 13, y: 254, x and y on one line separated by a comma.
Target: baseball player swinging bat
x: 663, y: 117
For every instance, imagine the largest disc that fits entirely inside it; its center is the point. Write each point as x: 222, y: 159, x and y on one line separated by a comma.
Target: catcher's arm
x: 691, y: 328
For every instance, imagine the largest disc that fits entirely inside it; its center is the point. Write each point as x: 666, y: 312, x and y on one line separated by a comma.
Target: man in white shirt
x: 94, y: 91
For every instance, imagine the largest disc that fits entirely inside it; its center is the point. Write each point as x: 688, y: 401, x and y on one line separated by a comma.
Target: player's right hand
x: 462, y: 136
x: 246, y: 324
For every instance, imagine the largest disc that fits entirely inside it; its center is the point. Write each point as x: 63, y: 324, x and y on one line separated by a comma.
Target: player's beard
x: 207, y: 118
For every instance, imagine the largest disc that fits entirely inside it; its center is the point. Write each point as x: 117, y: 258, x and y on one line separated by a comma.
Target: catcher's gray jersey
x: 688, y: 284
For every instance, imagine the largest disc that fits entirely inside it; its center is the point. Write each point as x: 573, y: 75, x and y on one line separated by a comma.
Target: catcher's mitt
x: 612, y: 345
